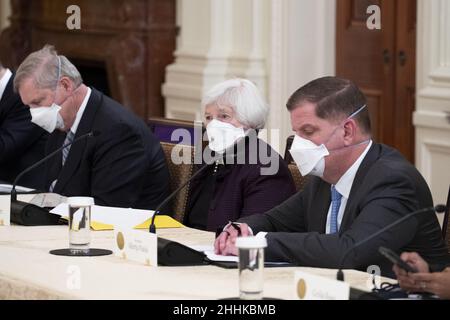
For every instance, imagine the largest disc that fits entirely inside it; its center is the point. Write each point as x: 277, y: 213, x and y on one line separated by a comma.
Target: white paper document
x: 6, y: 188
x: 48, y: 200
x: 209, y: 251
x: 120, y: 217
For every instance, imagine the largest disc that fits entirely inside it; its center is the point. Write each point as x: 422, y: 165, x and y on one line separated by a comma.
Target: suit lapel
x: 77, y: 150
x: 353, y: 199
x: 55, y: 141
x: 8, y: 94
x: 319, y: 208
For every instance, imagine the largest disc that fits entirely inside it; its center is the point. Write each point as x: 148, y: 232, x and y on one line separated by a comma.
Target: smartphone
x: 395, y: 259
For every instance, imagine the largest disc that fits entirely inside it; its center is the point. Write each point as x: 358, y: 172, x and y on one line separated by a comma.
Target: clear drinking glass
x: 80, y: 224
x: 251, y: 267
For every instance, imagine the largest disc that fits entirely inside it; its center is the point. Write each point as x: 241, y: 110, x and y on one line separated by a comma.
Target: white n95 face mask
x: 309, y: 157
x: 48, y: 118
x: 222, y: 135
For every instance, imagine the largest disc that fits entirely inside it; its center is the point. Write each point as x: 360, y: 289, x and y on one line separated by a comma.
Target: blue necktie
x: 69, y: 139
x: 335, y: 204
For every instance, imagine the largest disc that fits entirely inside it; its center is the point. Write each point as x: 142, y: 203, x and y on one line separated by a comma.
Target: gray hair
x: 43, y: 67
x: 245, y: 99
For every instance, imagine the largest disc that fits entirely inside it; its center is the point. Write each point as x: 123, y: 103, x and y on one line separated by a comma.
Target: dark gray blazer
x: 386, y: 187
x: 123, y: 167
x: 22, y: 143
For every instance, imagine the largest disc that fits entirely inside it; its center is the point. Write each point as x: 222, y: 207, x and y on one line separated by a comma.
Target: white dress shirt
x: 4, y: 82
x: 344, y: 186
x: 74, y: 127
x: 81, y: 111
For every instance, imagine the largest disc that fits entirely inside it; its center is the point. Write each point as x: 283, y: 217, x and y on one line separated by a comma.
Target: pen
x: 237, y: 227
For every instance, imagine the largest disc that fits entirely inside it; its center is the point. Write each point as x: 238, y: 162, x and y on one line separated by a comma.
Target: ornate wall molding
x: 431, y: 118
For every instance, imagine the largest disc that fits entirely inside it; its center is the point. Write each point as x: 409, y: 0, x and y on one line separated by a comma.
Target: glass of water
x: 251, y: 267
x: 80, y: 224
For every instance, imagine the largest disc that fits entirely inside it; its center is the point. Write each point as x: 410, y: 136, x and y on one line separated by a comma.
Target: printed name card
x: 313, y: 287
x: 136, y: 245
x: 5, y: 202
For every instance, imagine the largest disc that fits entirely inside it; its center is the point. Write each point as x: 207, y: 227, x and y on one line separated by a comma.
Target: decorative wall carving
x: 133, y: 39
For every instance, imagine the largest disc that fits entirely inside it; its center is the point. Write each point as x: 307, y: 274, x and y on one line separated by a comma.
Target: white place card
x: 313, y: 287
x: 5, y: 203
x: 136, y: 245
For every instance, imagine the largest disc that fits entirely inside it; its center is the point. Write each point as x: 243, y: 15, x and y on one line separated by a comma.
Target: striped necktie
x: 69, y: 139
x: 335, y: 204
x: 65, y: 153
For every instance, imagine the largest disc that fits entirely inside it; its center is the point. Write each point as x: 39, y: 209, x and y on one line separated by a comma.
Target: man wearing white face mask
x: 358, y: 187
x: 123, y: 166
x: 21, y: 142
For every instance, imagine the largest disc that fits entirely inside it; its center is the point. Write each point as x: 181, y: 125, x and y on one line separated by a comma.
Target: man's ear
x: 67, y: 84
x: 350, y: 131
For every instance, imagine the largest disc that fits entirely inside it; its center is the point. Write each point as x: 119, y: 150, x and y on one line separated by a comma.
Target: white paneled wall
x: 302, y: 48
x: 219, y: 39
x: 432, y: 117
x: 278, y: 44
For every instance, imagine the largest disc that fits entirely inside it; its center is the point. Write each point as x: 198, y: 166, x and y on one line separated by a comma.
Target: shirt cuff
x: 261, y: 234
x: 238, y: 223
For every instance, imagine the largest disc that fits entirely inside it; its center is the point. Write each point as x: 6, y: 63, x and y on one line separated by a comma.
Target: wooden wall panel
x: 133, y: 39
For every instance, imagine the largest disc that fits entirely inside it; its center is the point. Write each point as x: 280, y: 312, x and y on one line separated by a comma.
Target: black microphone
x: 172, y: 253
x: 438, y: 208
x: 152, y: 227
x: 31, y: 215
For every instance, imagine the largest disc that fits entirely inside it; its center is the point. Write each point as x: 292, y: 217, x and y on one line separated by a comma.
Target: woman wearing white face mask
x: 236, y: 184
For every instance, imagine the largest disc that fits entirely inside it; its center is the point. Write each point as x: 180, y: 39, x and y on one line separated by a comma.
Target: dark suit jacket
x: 22, y: 143
x: 386, y: 188
x: 240, y: 190
x: 124, y: 166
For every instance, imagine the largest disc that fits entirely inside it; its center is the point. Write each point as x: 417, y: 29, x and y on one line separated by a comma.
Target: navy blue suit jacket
x: 123, y: 167
x: 22, y: 143
x: 386, y: 188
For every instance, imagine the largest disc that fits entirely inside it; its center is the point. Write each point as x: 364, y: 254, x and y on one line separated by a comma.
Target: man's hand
x: 225, y: 243
x: 405, y: 279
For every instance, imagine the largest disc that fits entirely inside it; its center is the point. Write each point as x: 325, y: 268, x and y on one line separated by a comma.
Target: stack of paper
x: 105, y: 218
x: 48, y: 200
x: 6, y: 188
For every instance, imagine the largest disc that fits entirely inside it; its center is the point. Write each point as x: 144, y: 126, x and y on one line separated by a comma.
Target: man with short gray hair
x: 21, y: 142
x: 123, y: 166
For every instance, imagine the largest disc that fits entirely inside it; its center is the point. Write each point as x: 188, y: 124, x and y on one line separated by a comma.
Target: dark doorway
x: 94, y: 74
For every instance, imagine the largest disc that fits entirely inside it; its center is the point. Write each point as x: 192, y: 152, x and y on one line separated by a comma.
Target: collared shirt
x: 4, y: 82
x: 344, y: 185
x: 81, y: 111
x: 74, y: 127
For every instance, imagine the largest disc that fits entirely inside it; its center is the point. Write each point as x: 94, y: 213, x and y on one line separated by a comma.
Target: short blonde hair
x: 43, y: 67
x: 245, y: 99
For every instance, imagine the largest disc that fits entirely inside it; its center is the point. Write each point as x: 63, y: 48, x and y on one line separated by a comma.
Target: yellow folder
x: 161, y: 222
